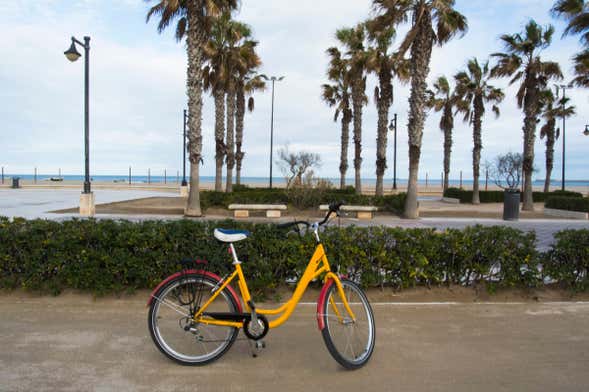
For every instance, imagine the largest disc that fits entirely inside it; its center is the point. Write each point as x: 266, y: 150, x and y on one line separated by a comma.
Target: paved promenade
x: 35, y: 203
x: 77, y: 343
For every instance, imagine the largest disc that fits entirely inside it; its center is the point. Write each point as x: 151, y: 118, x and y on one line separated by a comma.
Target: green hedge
x: 568, y: 260
x: 301, y: 198
x: 465, y: 196
x: 568, y: 203
x: 105, y: 256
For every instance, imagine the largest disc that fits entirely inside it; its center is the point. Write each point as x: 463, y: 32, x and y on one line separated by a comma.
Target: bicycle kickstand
x: 256, y: 346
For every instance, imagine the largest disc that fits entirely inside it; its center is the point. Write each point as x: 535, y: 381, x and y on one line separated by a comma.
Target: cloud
x: 138, y: 88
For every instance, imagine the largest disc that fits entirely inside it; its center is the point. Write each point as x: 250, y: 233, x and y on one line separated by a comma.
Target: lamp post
x: 393, y: 127
x: 185, y: 118
x: 72, y: 54
x: 274, y: 79
x: 564, y: 88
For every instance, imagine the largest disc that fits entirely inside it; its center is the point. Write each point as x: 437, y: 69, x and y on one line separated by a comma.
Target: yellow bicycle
x: 195, y: 315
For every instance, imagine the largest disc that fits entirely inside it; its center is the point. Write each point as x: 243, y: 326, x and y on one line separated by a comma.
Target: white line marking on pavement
x: 464, y: 303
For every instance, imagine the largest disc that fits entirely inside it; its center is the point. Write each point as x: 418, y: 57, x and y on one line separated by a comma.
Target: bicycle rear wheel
x: 172, y: 328
x: 349, y: 341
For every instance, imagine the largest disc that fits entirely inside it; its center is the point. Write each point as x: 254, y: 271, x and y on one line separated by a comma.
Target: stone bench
x: 362, y: 212
x: 242, y: 210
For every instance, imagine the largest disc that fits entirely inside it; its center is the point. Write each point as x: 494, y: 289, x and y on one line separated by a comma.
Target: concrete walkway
x: 77, y: 343
x: 35, y: 203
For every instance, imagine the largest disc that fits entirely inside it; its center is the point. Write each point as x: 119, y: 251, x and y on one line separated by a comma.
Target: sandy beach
x: 173, y: 186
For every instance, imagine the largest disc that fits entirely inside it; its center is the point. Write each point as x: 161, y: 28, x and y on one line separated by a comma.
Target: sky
x: 138, y: 79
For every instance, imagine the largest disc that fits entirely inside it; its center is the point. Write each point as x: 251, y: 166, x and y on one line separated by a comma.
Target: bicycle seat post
x: 235, y: 259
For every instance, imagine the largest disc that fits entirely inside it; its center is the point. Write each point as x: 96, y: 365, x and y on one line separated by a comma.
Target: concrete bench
x: 242, y: 210
x: 362, y: 212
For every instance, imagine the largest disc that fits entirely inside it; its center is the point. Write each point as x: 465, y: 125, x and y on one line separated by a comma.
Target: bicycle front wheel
x: 350, y: 340
x: 171, y: 322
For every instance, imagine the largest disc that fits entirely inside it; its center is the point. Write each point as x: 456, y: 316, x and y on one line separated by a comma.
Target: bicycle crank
x: 256, y: 328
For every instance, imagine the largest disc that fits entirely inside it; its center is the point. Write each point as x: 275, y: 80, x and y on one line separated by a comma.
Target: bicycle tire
x: 349, y: 354
x: 175, y: 341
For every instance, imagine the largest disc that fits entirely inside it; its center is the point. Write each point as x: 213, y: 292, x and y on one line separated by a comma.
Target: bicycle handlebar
x: 289, y: 224
x: 333, y: 208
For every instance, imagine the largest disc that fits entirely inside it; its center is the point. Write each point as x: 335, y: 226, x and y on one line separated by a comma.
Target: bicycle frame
x: 318, y: 264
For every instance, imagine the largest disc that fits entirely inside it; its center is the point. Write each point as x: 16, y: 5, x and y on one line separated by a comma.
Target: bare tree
x: 297, y: 165
x: 507, y: 170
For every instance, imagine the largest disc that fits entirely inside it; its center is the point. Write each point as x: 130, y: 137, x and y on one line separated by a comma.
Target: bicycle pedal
x: 256, y: 346
x: 260, y: 344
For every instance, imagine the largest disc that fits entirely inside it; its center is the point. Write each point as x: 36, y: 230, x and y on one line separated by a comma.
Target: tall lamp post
x: 393, y: 127
x: 72, y: 54
x: 564, y: 88
x: 274, y: 79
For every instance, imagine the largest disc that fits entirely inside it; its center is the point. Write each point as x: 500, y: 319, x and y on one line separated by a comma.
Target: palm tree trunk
x: 195, y: 40
x: 343, y: 166
x: 384, y: 103
x: 239, y: 117
x: 478, y: 146
x: 230, y: 142
x: 219, y: 96
x: 448, y: 126
x: 357, y: 93
x: 447, y: 154
x: 528, y: 158
x: 421, y: 51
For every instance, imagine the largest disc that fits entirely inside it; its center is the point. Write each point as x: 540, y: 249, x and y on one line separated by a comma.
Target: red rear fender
x: 211, y: 275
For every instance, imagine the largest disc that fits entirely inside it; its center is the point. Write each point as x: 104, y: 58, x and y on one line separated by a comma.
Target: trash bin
x: 15, y: 182
x: 511, y: 200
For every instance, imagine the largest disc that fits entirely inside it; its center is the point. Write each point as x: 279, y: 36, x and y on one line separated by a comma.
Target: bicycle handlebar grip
x: 289, y: 224
x: 335, y: 206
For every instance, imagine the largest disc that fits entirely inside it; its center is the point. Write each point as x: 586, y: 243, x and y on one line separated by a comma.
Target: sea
x: 260, y: 181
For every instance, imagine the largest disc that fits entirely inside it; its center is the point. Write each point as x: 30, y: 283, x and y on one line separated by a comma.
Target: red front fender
x: 199, y: 272
x: 320, y: 303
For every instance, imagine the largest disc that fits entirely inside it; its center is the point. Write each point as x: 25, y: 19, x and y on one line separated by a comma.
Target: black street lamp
x: 72, y: 55
x: 185, y: 118
x: 273, y: 79
x: 393, y: 127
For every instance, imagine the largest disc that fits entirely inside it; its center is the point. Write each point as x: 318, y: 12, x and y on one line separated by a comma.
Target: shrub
x: 299, y: 197
x: 568, y: 260
x: 391, y: 203
x: 465, y: 196
x: 568, y: 203
x: 112, y: 256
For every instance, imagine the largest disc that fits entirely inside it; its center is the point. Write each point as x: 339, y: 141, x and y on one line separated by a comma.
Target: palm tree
x: 242, y: 57
x: 442, y: 99
x: 552, y: 111
x: 246, y: 86
x: 223, y: 31
x: 193, y: 22
x: 432, y: 22
x: 522, y: 62
x: 474, y: 91
x: 385, y: 66
x: 337, y: 95
x: 356, y: 57
x: 576, y: 13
